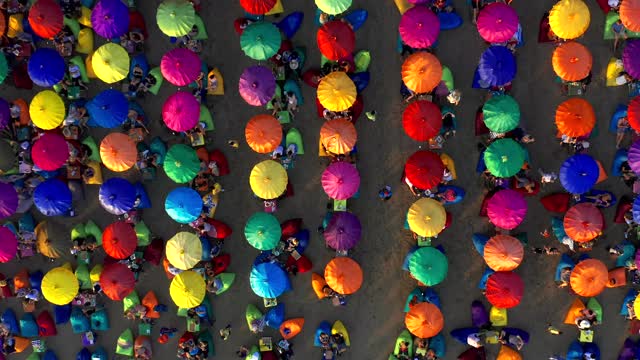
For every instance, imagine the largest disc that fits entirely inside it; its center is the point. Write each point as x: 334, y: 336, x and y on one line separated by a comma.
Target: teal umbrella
x: 428, y: 265
x: 263, y: 231
x: 504, y: 158
x: 260, y: 40
x: 501, y: 113
x: 181, y: 163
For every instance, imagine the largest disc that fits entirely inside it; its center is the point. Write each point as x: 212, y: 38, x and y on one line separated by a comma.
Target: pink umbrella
x: 180, y: 66
x: 8, y: 244
x: 415, y: 2
x: 50, y: 151
x: 419, y: 27
x: 507, y: 209
x: 497, y: 22
x: 257, y: 85
x: 8, y: 200
x: 181, y: 111
x: 340, y: 180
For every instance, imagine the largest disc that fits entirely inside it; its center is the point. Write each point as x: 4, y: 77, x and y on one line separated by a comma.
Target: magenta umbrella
x: 8, y: 244
x: 419, y: 27
x: 180, y: 66
x: 340, y: 180
x: 8, y: 200
x: 633, y: 157
x: 631, y: 58
x: 497, y: 22
x: 181, y: 111
x: 507, y: 209
x: 257, y: 85
x: 110, y: 18
x: 415, y: 2
x: 343, y: 231
x: 50, y: 151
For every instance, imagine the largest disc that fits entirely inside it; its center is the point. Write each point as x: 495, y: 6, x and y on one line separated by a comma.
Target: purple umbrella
x: 497, y: 66
x: 497, y: 22
x: 8, y: 200
x: 8, y: 244
x: 110, y: 18
x: 5, y: 113
x: 631, y: 58
x: 257, y: 85
x: 633, y: 157
x: 343, y: 232
x: 419, y: 27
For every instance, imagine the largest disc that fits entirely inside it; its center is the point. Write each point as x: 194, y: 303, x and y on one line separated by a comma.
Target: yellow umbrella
x: 268, y: 180
x: 59, y: 286
x: 569, y: 19
x: 426, y: 217
x: 110, y: 63
x: 187, y: 289
x: 49, y: 242
x: 47, y: 110
x: 184, y: 250
x: 336, y: 91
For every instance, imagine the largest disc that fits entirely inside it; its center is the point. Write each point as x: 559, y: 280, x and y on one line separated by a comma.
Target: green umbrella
x: 4, y: 68
x: 333, y: 7
x: 181, y: 163
x: 428, y: 265
x: 175, y: 17
x: 260, y: 40
x: 501, y: 113
x: 263, y: 231
x: 504, y: 158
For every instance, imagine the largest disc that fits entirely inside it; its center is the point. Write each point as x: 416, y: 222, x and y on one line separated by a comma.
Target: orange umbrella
x: 589, y: 278
x: 421, y: 72
x: 630, y: 14
x: 572, y: 61
x: 424, y: 320
x: 343, y: 275
x: 118, y: 152
x: 575, y: 117
x: 583, y: 222
x: 338, y: 136
x: 503, y: 253
x: 263, y: 133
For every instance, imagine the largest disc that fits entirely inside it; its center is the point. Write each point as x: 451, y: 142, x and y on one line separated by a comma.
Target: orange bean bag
x: 21, y: 280
x: 21, y: 343
x: 574, y: 312
x: 25, y: 119
x: 291, y: 328
x: 318, y: 283
x: 150, y: 301
x: 507, y: 353
x: 603, y: 174
x: 617, y: 277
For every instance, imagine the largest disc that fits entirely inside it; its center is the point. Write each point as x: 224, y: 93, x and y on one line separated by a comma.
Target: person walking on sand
x: 371, y: 115
x: 224, y: 333
x: 385, y: 193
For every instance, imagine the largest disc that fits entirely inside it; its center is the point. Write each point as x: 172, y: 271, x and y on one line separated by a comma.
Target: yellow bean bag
x: 277, y: 9
x: 220, y: 89
x: 449, y: 164
x: 498, y: 317
x: 94, y: 275
x: 85, y: 41
x: 85, y: 18
x: 14, y: 26
x: 97, y: 174
x: 89, y: 66
x: 67, y: 266
x: 613, y: 69
x: 403, y: 5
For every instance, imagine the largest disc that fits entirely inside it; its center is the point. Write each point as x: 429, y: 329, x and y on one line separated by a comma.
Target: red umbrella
x: 257, y: 7
x: 633, y: 113
x: 504, y: 289
x: 50, y: 151
x: 424, y: 169
x: 117, y: 281
x: 336, y: 40
x: 46, y: 18
x: 119, y: 240
x: 422, y: 120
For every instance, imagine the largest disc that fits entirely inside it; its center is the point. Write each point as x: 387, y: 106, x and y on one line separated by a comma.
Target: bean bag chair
x: 73, y: 25
x: 21, y: 280
x: 77, y: 60
x: 557, y: 228
x: 92, y: 229
x: 28, y: 326
x: 91, y: 74
x: 449, y: 20
x: 485, y: 277
x: 220, y: 263
x: 628, y: 253
x: 95, y: 153
x: 544, y: 29
x: 34, y: 356
x: 100, y: 320
x: 252, y: 313
x: 479, y: 314
x: 62, y: 313
x: 153, y: 252
x: 362, y: 59
x: 130, y: 301
x: 303, y: 240
x: 318, y: 283
x: 14, y: 25
x: 150, y: 301
x: 78, y: 232
x: 356, y: 18
x: 415, y: 297
x: 565, y: 262
x: 629, y: 298
x: 498, y: 317
x: 5, y: 289
x: 594, y: 305
x: 617, y: 277
x: 124, y: 344
x: 574, y: 312
x: 291, y: 85
x: 462, y: 334
x: 206, y: 118
x: 202, y: 30
x: 485, y: 203
x: 290, y: 227
x: 219, y: 230
x: 438, y: 345
x: 142, y: 345
x: 449, y: 164
x: 619, y: 112
x: 46, y: 325
x: 145, y: 201
x: 473, y: 354
x: 275, y: 316
x: 312, y: 77
x: 614, y: 68
x: 9, y: 319
x: 592, y: 348
x: 623, y: 207
x: 290, y: 24
x: 292, y: 327
x: 82, y: 274
x: 79, y: 322
x: 157, y: 74
x: 85, y: 17
x: 405, y: 263
x: 556, y: 202
x: 218, y: 157
x: 136, y: 22
x: 84, y: 354
x: 507, y: 353
x: 96, y: 179
x: 141, y: 61
x: 219, y: 90
x: 85, y: 41
x: 26, y: 223
x: 619, y: 158
x: 143, y: 233
x: 227, y: 280
x: 35, y: 279
x: 610, y: 19
x: 325, y: 328
x: 627, y: 352
x: 361, y: 80
x: 303, y: 264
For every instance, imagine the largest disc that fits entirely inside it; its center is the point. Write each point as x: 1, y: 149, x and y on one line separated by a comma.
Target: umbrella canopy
x: 110, y: 18
x: 46, y: 67
x: 184, y: 250
x: 59, y: 286
x: 180, y: 66
x: 343, y: 231
x: 634, y: 157
x: 583, y: 222
x: 118, y: 152
x: 497, y: 66
x: 50, y: 240
x: 426, y: 217
x: 257, y: 85
x: 630, y: 14
x: 635, y: 210
x: 5, y: 113
x: 181, y: 111
x: 8, y: 244
x: 424, y: 320
x: 336, y: 40
x: 633, y: 113
x: 110, y: 63
x: 268, y: 280
x: 422, y: 120
x: 47, y: 110
x: 119, y: 240
x: 340, y: 180
x: 424, y: 169
x: 572, y: 61
x: 579, y: 173
x: 263, y: 133
x: 181, y: 164
x: 336, y: 91
x: 497, y: 22
x: 257, y: 7
x: 52, y: 197
x: 50, y: 151
x: 175, y: 17
x: 343, y: 275
x: 504, y: 289
x: 569, y: 19
x: 8, y: 200
x: 263, y: 231
x: 45, y: 18
x: 575, y: 117
x: 504, y: 158
x: 268, y: 180
x: 506, y: 209
x: 631, y: 58
x: 421, y: 72
x: 117, y: 281
x: 109, y: 109
x: 589, y: 278
x: 260, y: 40
x: 117, y: 196
x: 501, y: 113
x: 333, y: 7
x: 419, y: 27
x: 503, y: 253
x: 187, y: 289
x: 338, y: 136
x: 183, y: 205
x: 428, y: 265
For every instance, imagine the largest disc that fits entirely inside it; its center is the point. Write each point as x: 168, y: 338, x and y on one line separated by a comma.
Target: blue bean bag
x: 290, y: 24
x: 438, y: 345
x: 35, y: 279
x: 432, y: 296
x: 100, y: 354
x: 62, y: 313
x: 593, y: 349
x: 620, y: 112
x: 630, y: 297
x: 628, y: 253
x: 565, y: 262
x: 137, y: 108
x: 415, y: 297
x: 485, y: 277
x: 49, y: 355
x: 206, y: 248
x: 324, y: 327
x: 275, y: 316
x: 557, y: 228
x: 480, y: 165
x: 463, y: 333
x: 517, y: 332
x: 356, y: 18
x: 627, y: 352
x: 145, y: 201
x: 449, y: 20
x: 575, y: 351
x: 10, y: 320
x: 141, y: 61
x: 620, y: 157
x: 479, y: 241
x: 361, y: 80
x: 84, y: 354
x: 100, y: 320
x: 303, y: 240
x: 28, y: 326
x: 79, y: 322
x: 594, y: 192
x: 292, y: 86
x: 27, y: 222
x: 479, y: 314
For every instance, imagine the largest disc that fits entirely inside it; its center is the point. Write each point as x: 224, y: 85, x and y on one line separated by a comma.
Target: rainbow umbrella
x: 117, y: 196
x: 263, y: 231
x: 50, y: 151
x: 110, y: 63
x: 110, y: 18
x: 109, y: 109
x: 340, y: 180
x: 8, y: 200
x: 181, y: 111
x: 5, y: 113
x: 181, y: 164
x: 8, y: 244
x: 183, y: 205
x: 501, y: 113
x: 419, y: 27
x: 180, y: 66
x: 257, y: 85
x: 497, y: 23
x: 46, y: 67
x: 268, y: 280
x: 497, y: 66
x: 633, y: 157
x: 175, y: 17
x: 258, y: 7
x: 45, y: 18
x: 52, y: 197
x: 260, y: 40
x: 429, y: 266
x: 579, y: 173
x: 47, y: 110
x: 504, y: 158
x: 333, y: 7
x: 343, y: 232
x: 506, y: 209
x: 631, y: 58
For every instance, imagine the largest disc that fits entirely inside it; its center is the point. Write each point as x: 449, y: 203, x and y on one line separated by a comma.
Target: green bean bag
x: 594, y: 305
x: 227, y: 280
x: 95, y: 153
x: 362, y: 60
x: 33, y: 356
x: 82, y: 274
x: 182, y: 312
x: 100, y: 320
x: 447, y: 78
x: 79, y: 322
x: 124, y: 345
x: 252, y: 313
x: 207, y: 338
x: 611, y: 18
x: 77, y: 60
x: 205, y: 117
x: 202, y: 30
x: 143, y: 233
x: 294, y: 137
x: 157, y: 74
x: 73, y: 25
x: 130, y: 301
x: 90, y: 228
x: 78, y: 231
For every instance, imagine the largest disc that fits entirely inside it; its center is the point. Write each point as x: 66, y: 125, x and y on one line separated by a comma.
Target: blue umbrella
x: 46, y: 67
x: 579, y: 173
x: 108, y: 109
x: 268, y: 280
x: 183, y: 205
x: 52, y: 197
x: 117, y: 196
x: 497, y: 66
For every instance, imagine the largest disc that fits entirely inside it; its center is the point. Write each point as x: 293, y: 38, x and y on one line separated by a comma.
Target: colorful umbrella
x: 51, y: 241
x: 338, y: 136
x: 8, y: 244
x: 503, y: 253
x: 343, y: 275
x: 506, y: 209
x: 336, y: 40
x: 336, y: 91
x: 118, y: 152
x: 422, y: 120
x: 46, y: 67
x: 117, y: 196
x: 5, y: 113
x: 504, y: 289
x: 421, y: 72
x: 110, y: 63
x: 633, y: 113
x: 343, y: 231
x: 8, y: 200
x: 263, y: 231
x: 501, y: 113
x: 426, y: 217
x: 631, y: 58
x: 497, y: 66
x: 333, y: 7
x: 181, y: 111
x: 572, y: 61
x: 110, y: 18
x: 50, y: 151
x: 429, y: 266
x: 47, y: 110
x: 260, y: 40
x: 419, y: 27
x: 184, y: 250
x: 187, y: 289
x: 504, y: 158
x: 45, y: 18
x: 497, y: 23
x: 257, y: 85
x: 583, y: 222
x: 117, y: 281
x: 175, y: 17
x: 181, y: 164
x: 268, y: 280
x: 263, y: 133
x: 109, y: 109
x: 119, y: 240
x: 424, y: 169
x: 180, y: 66
x: 634, y: 157
x: 257, y: 7
x: 424, y: 320
x: 569, y: 19
x: 268, y: 180
x: 340, y: 180
x: 52, y: 197
x: 635, y: 210
x: 589, y: 278
x: 575, y: 117
x: 579, y: 173
x: 59, y: 286
x: 183, y: 205
x: 630, y: 14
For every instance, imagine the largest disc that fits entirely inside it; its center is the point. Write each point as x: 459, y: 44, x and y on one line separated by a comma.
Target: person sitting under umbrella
x: 190, y: 41
x: 71, y: 8
x: 65, y: 41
